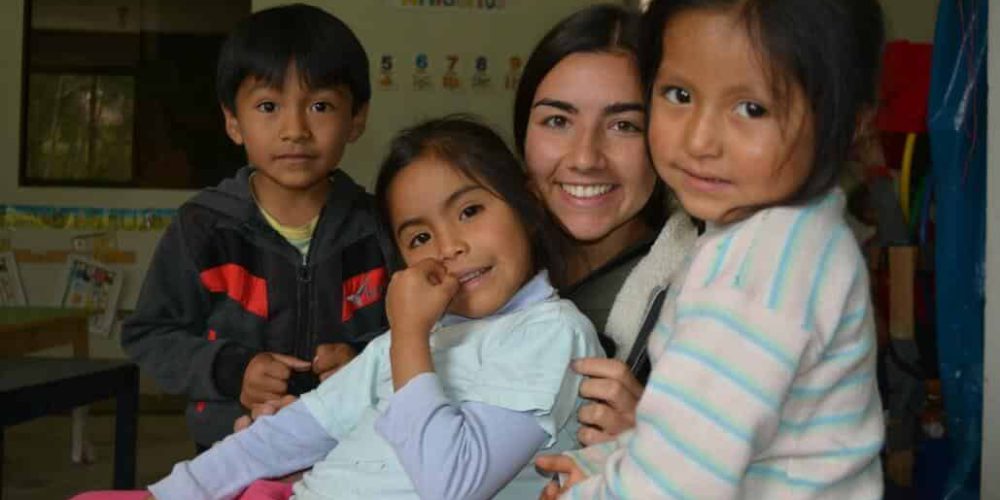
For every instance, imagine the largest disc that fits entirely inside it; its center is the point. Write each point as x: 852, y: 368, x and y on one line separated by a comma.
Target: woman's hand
x: 613, y: 393
x: 416, y: 298
x: 565, y: 467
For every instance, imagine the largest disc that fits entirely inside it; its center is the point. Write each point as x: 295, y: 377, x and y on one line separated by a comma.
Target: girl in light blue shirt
x: 472, y: 380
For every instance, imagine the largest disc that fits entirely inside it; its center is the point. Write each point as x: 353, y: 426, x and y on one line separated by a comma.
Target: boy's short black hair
x: 831, y: 49
x: 325, y: 51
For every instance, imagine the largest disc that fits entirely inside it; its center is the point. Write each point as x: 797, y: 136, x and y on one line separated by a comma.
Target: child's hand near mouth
x: 417, y: 297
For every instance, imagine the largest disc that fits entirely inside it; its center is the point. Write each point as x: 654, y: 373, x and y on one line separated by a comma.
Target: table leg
x: 1, y: 461
x: 82, y: 451
x: 125, y: 431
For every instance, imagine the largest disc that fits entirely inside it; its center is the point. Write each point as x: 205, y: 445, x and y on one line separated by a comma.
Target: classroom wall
x: 384, y: 29
x: 381, y: 26
x: 991, y: 374
x: 910, y: 19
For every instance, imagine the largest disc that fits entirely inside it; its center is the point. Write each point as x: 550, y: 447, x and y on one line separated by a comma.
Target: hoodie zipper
x: 303, y: 280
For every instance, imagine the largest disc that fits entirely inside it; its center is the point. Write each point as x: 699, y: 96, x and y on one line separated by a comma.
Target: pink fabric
x: 259, y: 490
x: 113, y: 495
x: 267, y: 490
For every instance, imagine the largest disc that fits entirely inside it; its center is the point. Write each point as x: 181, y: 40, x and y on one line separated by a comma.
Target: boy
x: 275, y: 278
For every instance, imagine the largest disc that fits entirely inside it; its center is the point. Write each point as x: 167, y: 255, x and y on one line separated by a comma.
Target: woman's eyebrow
x: 554, y: 103
x: 623, y: 107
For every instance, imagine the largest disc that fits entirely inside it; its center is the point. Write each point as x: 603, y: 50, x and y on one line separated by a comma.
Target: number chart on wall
x: 429, y: 58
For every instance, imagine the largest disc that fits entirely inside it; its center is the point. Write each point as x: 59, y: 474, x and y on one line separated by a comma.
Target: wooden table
x: 33, y: 387
x: 28, y: 329
x: 24, y: 330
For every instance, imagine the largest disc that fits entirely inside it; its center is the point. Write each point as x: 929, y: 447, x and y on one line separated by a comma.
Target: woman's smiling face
x: 584, y: 146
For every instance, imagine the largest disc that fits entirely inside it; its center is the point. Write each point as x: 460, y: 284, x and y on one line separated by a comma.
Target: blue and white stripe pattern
x: 764, y: 371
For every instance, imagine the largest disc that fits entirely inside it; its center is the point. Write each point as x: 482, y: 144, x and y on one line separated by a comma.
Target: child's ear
x: 232, y: 126
x: 358, y: 123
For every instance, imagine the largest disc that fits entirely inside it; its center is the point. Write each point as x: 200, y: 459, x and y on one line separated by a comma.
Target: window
x: 122, y: 93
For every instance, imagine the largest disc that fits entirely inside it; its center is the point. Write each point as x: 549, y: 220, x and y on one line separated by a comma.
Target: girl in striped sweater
x: 764, y: 355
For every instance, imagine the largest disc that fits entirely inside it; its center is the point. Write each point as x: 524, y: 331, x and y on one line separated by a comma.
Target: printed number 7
x: 452, y: 62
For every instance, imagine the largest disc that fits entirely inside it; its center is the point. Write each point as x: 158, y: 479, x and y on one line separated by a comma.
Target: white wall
x: 437, y: 31
x: 991, y: 373
x: 381, y: 27
x: 910, y: 19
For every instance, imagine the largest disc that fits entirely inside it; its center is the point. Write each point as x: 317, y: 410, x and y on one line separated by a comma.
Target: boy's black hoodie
x: 223, y: 286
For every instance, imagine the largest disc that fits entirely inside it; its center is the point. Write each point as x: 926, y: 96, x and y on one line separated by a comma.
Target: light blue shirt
x: 517, y: 360
x: 502, y: 389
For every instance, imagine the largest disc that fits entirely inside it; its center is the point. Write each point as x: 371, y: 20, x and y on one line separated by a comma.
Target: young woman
x: 579, y: 124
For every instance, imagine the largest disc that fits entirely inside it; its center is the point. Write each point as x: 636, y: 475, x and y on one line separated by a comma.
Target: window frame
x: 23, y: 178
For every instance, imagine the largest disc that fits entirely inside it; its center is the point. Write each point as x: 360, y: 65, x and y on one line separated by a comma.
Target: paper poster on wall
x: 421, y: 73
x: 513, y: 73
x: 11, y: 289
x: 93, y: 286
x: 481, y: 79
x: 450, y: 80
x: 387, y: 73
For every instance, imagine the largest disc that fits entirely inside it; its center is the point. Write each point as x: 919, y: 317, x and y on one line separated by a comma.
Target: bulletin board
x: 433, y: 57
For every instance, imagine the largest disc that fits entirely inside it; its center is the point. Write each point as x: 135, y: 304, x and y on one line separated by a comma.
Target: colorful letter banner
x: 481, y: 5
x: 125, y: 219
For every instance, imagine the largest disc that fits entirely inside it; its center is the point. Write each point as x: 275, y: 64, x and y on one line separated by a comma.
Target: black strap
x: 638, y: 358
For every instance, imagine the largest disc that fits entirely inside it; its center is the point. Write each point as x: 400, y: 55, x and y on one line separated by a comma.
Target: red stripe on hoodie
x: 237, y: 283
x: 362, y: 290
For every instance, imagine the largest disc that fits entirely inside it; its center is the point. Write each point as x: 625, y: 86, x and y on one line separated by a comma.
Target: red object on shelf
x: 906, y: 83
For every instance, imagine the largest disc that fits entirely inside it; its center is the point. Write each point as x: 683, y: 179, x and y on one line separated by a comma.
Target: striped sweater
x: 763, y: 383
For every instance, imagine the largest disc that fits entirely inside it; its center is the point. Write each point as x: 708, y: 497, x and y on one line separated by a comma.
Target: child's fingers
x: 268, y: 408
x: 551, y: 491
x: 331, y: 357
x: 242, y: 423
x: 269, y: 384
x: 251, y: 397
x: 550, y: 464
x: 286, y: 400
x: 450, y: 284
x: 292, y: 362
x: 433, y: 270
